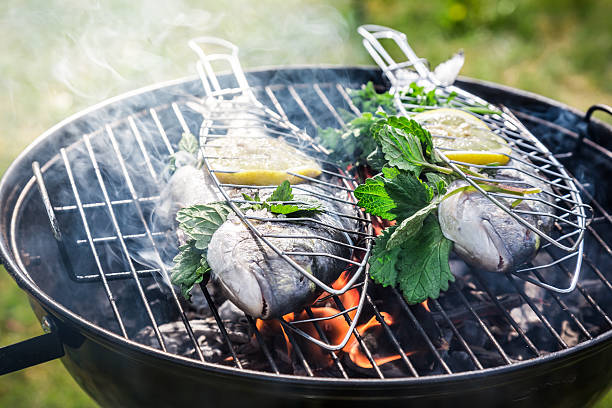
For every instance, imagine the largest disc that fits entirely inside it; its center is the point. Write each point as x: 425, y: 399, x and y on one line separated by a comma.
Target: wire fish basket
x: 562, y: 203
x: 235, y: 113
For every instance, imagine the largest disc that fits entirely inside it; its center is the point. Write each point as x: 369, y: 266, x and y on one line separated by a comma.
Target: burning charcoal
x: 459, y: 361
x: 473, y: 333
x: 207, y: 333
x: 568, y: 334
x: 525, y: 317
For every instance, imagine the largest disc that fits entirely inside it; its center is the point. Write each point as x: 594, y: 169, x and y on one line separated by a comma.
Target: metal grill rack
x: 453, y: 310
x: 563, y: 202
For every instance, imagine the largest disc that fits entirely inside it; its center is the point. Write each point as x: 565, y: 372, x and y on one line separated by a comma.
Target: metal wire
x: 564, y: 203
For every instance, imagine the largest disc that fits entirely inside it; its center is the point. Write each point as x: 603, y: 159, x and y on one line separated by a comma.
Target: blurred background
x: 62, y: 56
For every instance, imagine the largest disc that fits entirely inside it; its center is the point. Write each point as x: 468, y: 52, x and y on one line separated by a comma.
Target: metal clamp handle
x: 206, y: 71
x: 372, y: 35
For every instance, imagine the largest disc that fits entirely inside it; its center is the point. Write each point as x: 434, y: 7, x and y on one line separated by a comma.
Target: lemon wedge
x: 258, y: 161
x: 463, y: 137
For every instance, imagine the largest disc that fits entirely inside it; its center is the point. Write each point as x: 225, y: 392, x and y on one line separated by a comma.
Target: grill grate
x: 452, y: 312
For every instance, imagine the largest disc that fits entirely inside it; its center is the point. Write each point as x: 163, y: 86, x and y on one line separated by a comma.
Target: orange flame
x: 333, y: 328
x: 425, y: 304
x: 354, y: 349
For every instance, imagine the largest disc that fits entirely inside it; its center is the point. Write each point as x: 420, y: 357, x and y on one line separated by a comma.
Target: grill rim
x: 111, y: 340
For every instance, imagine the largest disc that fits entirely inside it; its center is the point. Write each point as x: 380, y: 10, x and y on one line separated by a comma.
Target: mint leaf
x: 282, y: 193
x: 419, y: 266
x: 367, y: 99
x: 352, y: 144
x: 401, y: 150
x: 412, y: 127
x: 189, y: 143
x: 306, y: 204
x: 423, y: 268
x: 382, y: 260
x: 438, y: 182
x: 390, y: 172
x: 408, y: 193
x: 376, y: 160
x: 199, y: 222
x: 411, y: 226
x: 282, y: 201
x: 374, y: 198
x: 189, y: 268
x: 420, y: 97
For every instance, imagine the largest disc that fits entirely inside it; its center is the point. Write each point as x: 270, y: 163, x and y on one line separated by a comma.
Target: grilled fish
x: 250, y: 273
x: 487, y: 237
x: 261, y: 282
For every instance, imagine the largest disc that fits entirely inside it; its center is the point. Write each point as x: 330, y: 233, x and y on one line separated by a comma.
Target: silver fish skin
x: 262, y: 283
x: 487, y: 237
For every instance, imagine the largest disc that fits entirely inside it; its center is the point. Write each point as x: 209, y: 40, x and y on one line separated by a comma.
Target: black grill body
x: 118, y: 372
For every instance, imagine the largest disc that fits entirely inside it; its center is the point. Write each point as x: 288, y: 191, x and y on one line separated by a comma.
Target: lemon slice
x: 258, y: 161
x: 463, y: 137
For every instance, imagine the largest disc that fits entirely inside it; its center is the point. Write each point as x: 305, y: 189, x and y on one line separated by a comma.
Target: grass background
x: 62, y: 56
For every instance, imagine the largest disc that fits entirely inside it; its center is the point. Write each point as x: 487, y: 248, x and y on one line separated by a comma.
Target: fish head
x: 255, y: 278
x: 484, y: 235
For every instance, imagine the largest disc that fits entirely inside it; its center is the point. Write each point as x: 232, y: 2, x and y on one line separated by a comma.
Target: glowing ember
x: 334, y: 327
x: 356, y: 354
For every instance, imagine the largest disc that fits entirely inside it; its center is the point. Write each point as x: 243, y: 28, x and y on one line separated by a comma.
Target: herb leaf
x: 408, y: 193
x: 419, y: 266
x: 402, y: 150
x: 189, y: 143
x: 306, y: 204
x: 352, y: 144
x: 374, y: 198
x: 424, y: 263
x: 277, y: 202
x: 282, y: 193
x: 411, y: 226
x: 382, y: 260
x: 412, y: 127
x: 437, y: 181
x: 189, y: 268
x: 367, y: 99
x: 199, y: 222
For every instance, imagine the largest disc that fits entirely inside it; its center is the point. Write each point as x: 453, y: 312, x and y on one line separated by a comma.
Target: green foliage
x: 352, y: 144
x: 418, y: 266
x: 558, y: 48
x: 199, y: 223
x: 367, y: 99
x: 408, y: 193
x: 373, y: 198
x: 282, y: 202
x: 190, y: 265
x: 402, y: 150
x: 282, y: 193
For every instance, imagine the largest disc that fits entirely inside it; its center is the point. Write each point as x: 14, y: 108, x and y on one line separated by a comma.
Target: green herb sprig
x: 282, y: 202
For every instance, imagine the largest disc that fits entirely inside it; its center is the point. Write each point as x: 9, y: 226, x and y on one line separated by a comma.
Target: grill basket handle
x: 372, y: 36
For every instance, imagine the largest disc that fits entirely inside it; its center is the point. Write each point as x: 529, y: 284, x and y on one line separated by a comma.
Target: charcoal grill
x: 490, y: 340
